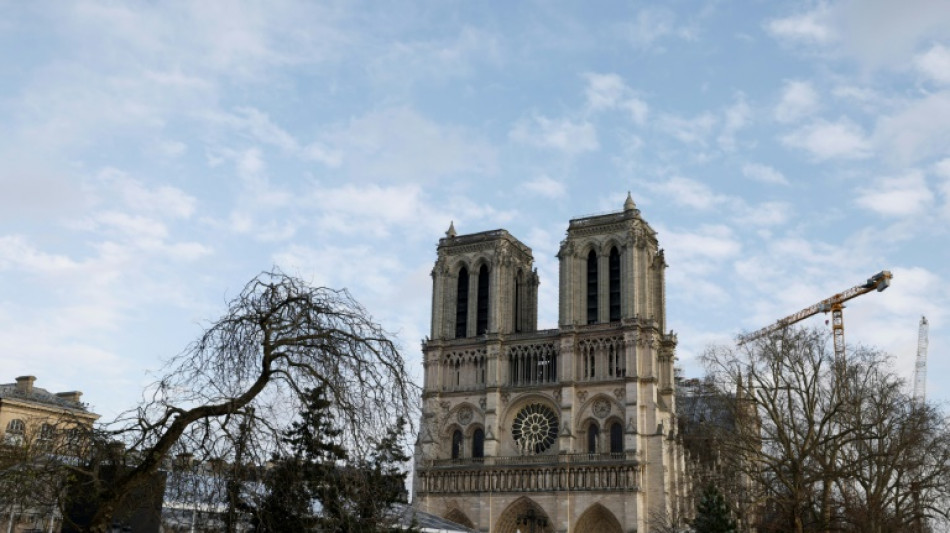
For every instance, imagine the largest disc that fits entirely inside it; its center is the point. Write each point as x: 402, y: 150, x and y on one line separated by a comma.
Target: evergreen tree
x: 712, y: 513
x: 320, y: 487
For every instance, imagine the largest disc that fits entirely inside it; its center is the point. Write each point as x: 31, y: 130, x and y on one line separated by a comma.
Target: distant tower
x: 920, y: 368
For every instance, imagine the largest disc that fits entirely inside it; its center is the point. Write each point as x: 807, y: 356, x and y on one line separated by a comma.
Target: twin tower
x: 569, y: 429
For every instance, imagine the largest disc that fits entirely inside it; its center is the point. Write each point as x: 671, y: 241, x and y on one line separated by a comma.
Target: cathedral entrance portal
x: 597, y: 519
x: 524, y: 516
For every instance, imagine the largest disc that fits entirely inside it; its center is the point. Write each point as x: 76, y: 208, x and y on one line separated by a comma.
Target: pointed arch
x: 593, y: 436
x: 518, y: 313
x: 613, y: 268
x: 457, y: 444
x: 592, y: 287
x: 616, y: 436
x: 457, y: 516
x: 482, y: 299
x: 478, y: 443
x: 461, y: 305
x: 597, y: 519
x: 521, y: 510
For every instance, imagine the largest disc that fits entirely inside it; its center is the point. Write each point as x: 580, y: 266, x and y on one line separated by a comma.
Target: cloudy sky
x: 155, y: 156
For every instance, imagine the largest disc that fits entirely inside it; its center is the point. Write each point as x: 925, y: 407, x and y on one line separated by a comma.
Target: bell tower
x: 483, y: 283
x: 611, y: 269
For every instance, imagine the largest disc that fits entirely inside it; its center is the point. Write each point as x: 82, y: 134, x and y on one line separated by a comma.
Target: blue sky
x: 157, y: 155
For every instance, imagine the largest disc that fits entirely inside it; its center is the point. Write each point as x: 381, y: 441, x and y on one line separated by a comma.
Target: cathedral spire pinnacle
x: 629, y: 205
x: 451, y: 231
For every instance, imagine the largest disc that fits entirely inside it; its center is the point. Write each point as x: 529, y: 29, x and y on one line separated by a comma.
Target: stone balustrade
x: 532, y: 473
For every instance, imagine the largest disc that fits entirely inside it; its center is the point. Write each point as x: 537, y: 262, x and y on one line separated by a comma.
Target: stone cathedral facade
x: 563, y: 430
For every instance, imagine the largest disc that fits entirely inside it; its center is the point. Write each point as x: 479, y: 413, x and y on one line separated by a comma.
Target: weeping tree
x: 228, y: 396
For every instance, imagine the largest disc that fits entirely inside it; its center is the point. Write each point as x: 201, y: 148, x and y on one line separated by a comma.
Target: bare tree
x: 825, y: 445
x: 227, y: 395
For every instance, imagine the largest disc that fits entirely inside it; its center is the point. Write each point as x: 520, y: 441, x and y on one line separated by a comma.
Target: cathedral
x: 561, y: 430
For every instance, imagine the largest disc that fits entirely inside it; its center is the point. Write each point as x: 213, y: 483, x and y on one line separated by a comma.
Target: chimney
x: 71, y: 396
x: 24, y: 384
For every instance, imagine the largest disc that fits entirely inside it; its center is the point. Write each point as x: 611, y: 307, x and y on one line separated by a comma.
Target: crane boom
x: 878, y: 282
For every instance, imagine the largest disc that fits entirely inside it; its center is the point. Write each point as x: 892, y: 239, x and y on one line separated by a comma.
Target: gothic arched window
x: 478, y: 444
x: 481, y: 320
x: 519, y: 286
x: 592, y: 287
x: 457, y: 444
x: 616, y: 438
x: 614, y: 267
x: 461, y: 305
x: 592, y: 433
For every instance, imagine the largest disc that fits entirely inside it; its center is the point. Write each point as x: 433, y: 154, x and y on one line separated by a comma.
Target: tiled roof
x: 38, y: 395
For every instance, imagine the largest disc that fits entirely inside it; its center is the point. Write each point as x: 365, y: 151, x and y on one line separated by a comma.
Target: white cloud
x: 171, y: 149
x: 812, y: 27
x: 560, y: 134
x: 830, y: 140
x: 764, y: 215
x: 798, y: 100
x: 935, y: 64
x: 920, y: 130
x: 651, y: 25
x: 702, y: 250
x: 546, y: 186
x: 400, y: 145
x: 458, y: 55
x: 763, y: 173
x: 694, y: 130
x: 854, y: 29
x: 736, y: 117
x: 135, y: 228
x: 906, y: 195
x: 689, y: 193
x: 16, y: 252
x: 608, y: 91
x: 164, y: 200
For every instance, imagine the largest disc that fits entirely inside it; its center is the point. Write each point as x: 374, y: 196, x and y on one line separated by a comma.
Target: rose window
x: 535, y: 428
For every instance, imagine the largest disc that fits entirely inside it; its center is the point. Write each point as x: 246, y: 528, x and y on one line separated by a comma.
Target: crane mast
x: 920, y: 367
x: 834, y: 305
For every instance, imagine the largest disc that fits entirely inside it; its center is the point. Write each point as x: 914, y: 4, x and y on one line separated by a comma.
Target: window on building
x: 457, y: 444
x: 616, y: 438
x: 74, y: 438
x: 592, y: 287
x: 478, y: 444
x: 481, y: 321
x: 519, y: 283
x: 593, y: 432
x: 614, y: 266
x: 45, y: 438
x: 461, y: 305
x: 16, y: 429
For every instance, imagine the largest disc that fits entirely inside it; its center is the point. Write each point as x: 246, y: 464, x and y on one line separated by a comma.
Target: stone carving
x: 504, y: 397
x: 465, y: 415
x: 445, y: 405
x: 482, y: 403
x: 582, y: 395
x: 557, y: 395
x: 601, y: 408
x: 618, y: 393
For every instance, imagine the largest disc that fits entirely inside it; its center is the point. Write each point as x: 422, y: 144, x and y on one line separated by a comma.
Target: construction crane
x: 835, y: 304
x: 920, y: 368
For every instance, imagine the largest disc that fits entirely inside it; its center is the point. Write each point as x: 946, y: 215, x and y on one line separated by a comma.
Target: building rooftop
x: 24, y: 390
